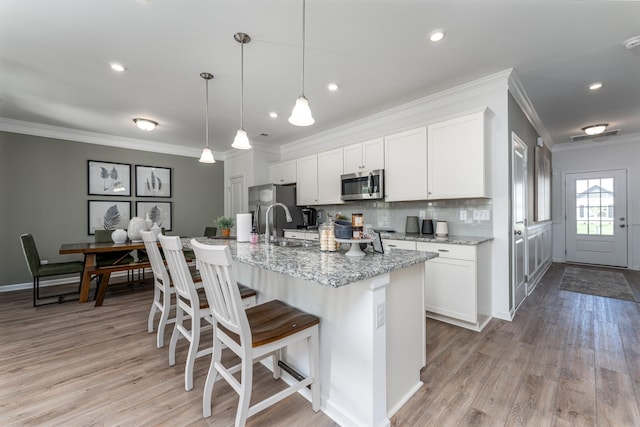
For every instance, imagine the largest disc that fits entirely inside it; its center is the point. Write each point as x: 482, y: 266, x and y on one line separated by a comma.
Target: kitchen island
x: 372, y: 330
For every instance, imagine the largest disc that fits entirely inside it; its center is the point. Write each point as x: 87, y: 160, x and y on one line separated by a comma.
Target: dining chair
x: 163, y: 289
x: 252, y: 334
x: 38, y: 269
x: 189, y: 305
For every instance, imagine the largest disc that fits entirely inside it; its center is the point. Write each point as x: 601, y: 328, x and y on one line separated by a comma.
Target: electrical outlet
x: 481, y: 215
x: 463, y: 215
x: 422, y: 215
x: 380, y: 318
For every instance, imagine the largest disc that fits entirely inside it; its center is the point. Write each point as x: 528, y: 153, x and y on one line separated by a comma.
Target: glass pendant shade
x: 301, y: 114
x: 207, y: 156
x: 241, y: 141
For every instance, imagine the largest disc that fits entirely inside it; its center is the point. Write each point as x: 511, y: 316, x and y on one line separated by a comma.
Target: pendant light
x: 241, y: 141
x: 207, y: 155
x: 301, y: 114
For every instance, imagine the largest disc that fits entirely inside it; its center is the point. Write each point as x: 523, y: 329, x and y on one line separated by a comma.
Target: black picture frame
x: 159, y: 211
x: 377, y: 243
x: 107, y: 215
x: 153, y: 181
x: 108, y: 178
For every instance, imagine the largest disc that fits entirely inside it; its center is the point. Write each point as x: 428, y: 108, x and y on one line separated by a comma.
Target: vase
x: 136, y: 225
x: 147, y: 222
x: 226, y: 232
x: 155, y: 230
x: 119, y: 236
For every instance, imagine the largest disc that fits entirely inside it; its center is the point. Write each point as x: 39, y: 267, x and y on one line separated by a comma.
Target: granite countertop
x: 451, y: 239
x: 307, y: 262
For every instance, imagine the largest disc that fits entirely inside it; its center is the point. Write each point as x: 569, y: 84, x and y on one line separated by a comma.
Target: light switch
x: 463, y: 215
x: 481, y: 215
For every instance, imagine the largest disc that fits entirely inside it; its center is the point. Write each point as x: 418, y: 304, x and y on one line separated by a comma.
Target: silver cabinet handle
x: 443, y: 250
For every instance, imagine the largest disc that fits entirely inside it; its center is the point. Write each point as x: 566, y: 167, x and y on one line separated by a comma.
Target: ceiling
x: 55, y: 55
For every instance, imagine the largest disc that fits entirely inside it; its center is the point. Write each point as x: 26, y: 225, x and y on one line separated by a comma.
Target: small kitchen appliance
x: 309, y: 217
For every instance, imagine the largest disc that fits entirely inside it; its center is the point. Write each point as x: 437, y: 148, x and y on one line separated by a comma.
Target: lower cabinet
x: 457, y: 284
x: 301, y: 235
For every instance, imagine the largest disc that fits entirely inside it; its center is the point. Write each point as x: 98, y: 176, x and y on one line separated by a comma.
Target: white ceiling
x: 55, y: 55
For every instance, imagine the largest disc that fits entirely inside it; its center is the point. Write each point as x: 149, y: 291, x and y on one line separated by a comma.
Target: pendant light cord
x: 242, y: 85
x: 206, y: 109
x: 303, y: 42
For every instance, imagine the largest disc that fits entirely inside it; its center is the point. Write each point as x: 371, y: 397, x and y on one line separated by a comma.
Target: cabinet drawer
x: 466, y: 252
x: 400, y: 244
x: 295, y: 235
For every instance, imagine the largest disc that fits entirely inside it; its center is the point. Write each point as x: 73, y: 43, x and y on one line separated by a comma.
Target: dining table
x: 90, y: 250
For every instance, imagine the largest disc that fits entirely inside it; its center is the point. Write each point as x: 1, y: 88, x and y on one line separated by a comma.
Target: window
x: 594, y: 201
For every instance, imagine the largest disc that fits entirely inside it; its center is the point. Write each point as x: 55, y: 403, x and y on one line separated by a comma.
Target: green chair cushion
x: 55, y: 268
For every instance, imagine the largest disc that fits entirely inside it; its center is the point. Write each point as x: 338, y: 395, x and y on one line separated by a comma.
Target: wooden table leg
x: 89, y: 264
x: 102, y: 289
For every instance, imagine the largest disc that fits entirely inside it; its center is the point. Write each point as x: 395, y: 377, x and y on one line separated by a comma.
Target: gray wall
x: 519, y: 124
x: 43, y: 191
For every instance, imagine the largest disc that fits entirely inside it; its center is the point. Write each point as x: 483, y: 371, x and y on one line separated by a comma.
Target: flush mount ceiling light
x: 436, y: 35
x: 207, y: 155
x: 595, y: 129
x: 117, y: 67
x: 596, y: 86
x: 241, y: 141
x: 145, y: 124
x: 631, y: 43
x: 273, y: 115
x: 301, y: 114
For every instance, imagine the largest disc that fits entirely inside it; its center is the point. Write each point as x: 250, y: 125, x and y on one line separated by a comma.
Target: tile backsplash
x: 393, y: 215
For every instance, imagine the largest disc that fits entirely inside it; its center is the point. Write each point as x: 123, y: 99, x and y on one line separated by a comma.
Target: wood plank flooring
x: 566, y: 359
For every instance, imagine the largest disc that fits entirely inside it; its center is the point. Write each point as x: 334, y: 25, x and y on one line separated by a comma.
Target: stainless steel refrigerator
x: 263, y: 196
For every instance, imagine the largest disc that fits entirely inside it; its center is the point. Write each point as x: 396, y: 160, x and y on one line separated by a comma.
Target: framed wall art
x: 108, y: 178
x: 153, y: 181
x: 108, y: 215
x: 159, y: 212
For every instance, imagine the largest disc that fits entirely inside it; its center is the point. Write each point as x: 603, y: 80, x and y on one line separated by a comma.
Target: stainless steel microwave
x: 363, y: 185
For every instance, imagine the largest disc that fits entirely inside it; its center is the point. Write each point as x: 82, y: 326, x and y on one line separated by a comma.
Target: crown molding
x: 68, y: 134
x: 521, y: 97
x: 421, y: 111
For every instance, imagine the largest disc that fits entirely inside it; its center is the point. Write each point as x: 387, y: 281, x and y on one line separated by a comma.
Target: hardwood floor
x: 565, y: 359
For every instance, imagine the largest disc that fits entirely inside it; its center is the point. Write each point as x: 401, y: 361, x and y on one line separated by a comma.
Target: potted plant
x: 225, y: 223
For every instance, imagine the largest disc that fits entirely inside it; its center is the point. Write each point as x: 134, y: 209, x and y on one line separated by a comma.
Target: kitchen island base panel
x: 368, y: 366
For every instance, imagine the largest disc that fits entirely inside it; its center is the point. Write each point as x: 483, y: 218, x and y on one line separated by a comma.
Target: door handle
x: 517, y: 232
x: 622, y: 219
x: 622, y: 226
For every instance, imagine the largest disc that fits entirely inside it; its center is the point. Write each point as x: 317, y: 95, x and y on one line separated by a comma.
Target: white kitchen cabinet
x: 307, y: 180
x: 318, y: 178
x: 364, y: 156
x: 284, y: 173
x: 302, y: 234
x: 399, y: 244
x: 457, y: 157
x: 457, y: 284
x: 406, y: 165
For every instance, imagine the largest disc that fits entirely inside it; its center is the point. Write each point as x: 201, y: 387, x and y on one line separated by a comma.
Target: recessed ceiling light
x: 436, y: 35
x: 632, y: 43
x: 273, y: 115
x: 596, y: 86
x: 145, y: 124
x: 332, y: 87
x: 595, y: 129
x: 117, y: 67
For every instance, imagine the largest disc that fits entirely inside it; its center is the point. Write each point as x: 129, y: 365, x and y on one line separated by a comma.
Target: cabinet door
x: 406, y: 165
x: 399, y: 244
x: 329, y: 171
x: 284, y: 173
x: 450, y: 288
x: 307, y: 180
x: 456, y: 158
x: 352, y: 158
x: 373, y: 154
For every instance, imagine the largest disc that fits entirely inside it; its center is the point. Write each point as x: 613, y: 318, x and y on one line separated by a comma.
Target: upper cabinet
x: 284, y: 173
x: 457, y: 158
x: 318, y: 178
x: 364, y: 156
x: 406, y: 165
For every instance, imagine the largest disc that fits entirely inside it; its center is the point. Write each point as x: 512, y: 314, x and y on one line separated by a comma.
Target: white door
x: 596, y: 217
x: 519, y: 220
x: 237, y: 199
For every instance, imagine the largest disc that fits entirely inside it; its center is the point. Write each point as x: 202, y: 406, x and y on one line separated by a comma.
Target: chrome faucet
x: 266, y: 220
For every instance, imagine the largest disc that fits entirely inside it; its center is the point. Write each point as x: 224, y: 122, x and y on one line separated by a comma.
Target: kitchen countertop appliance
x: 263, y: 196
x: 309, y: 218
x: 363, y: 185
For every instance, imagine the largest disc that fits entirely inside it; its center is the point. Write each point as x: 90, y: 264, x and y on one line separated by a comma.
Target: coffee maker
x: 309, y: 218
